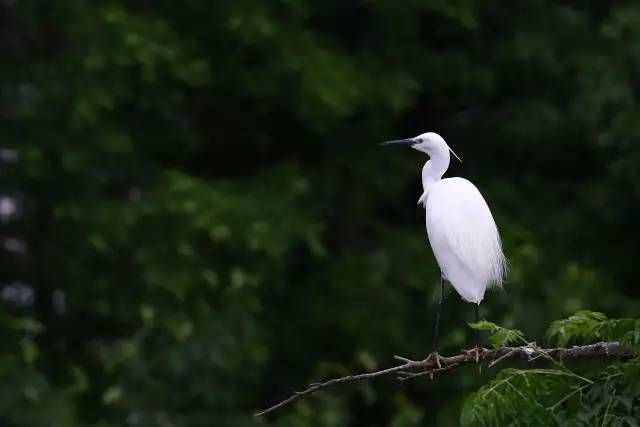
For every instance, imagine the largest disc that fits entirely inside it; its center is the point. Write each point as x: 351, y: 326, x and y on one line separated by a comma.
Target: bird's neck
x: 433, y: 170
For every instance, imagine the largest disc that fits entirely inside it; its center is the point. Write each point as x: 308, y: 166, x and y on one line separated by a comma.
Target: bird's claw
x: 429, y: 370
x: 476, y: 352
x: 434, y: 355
x: 426, y: 363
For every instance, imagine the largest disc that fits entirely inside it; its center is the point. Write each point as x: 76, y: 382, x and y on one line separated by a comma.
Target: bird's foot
x: 431, y: 365
x: 433, y: 356
x: 436, y: 357
x: 477, y: 352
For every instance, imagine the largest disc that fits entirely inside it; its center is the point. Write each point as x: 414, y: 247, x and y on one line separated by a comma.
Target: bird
x: 461, y: 230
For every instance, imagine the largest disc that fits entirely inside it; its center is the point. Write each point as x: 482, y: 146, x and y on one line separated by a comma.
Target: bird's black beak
x: 408, y: 142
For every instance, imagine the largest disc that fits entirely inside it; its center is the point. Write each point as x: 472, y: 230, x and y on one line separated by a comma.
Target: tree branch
x: 435, y: 364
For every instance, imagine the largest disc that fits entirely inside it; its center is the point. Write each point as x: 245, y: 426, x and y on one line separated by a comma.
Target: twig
x: 500, y: 359
x: 438, y: 364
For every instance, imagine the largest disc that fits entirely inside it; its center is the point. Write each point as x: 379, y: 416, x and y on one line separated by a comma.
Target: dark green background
x: 209, y: 222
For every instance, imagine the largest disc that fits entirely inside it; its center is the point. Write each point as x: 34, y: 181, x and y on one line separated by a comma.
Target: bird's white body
x: 462, y: 233
x: 464, y: 237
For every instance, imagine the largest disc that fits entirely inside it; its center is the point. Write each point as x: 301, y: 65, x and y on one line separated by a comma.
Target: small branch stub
x: 435, y: 364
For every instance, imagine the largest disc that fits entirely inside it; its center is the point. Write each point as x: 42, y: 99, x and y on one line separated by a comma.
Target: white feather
x: 464, y: 237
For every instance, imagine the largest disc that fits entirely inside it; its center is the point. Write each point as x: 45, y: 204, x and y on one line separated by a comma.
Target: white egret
x: 461, y: 230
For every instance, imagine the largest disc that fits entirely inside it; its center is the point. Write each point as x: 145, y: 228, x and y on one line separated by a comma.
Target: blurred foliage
x: 208, y: 221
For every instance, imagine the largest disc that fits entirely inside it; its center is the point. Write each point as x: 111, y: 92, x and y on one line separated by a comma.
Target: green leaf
x: 589, y: 326
x: 499, y: 336
x: 582, y: 325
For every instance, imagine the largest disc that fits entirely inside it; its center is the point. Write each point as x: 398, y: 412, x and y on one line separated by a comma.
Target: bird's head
x: 430, y: 143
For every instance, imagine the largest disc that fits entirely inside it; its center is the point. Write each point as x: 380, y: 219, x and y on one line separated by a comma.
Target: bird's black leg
x: 477, y: 309
x: 476, y: 350
x: 436, y: 326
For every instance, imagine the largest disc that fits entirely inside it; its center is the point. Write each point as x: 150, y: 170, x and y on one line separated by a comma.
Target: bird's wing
x: 462, y: 231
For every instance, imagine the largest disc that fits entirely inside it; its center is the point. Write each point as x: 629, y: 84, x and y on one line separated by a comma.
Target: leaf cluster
x: 499, y: 336
x: 560, y: 395
x: 587, y: 326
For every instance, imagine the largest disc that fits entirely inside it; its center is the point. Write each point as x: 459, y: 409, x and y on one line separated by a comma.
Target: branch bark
x: 435, y: 364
